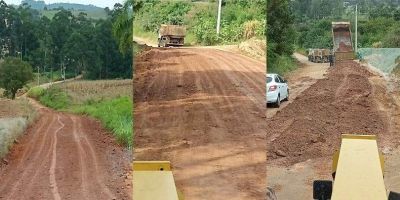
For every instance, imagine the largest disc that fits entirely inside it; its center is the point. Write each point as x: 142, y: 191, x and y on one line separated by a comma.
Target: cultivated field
x: 83, y: 91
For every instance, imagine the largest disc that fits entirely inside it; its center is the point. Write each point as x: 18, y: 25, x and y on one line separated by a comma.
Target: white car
x: 277, y: 89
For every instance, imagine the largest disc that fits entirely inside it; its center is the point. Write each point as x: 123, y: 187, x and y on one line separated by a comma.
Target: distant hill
x: 41, y: 5
x: 49, y: 10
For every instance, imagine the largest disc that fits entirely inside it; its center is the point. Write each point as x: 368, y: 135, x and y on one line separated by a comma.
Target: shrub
x: 36, y: 92
x: 55, y: 98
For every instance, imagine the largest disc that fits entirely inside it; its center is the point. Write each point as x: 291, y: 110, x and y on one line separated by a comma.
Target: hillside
x: 41, y: 5
x: 49, y: 10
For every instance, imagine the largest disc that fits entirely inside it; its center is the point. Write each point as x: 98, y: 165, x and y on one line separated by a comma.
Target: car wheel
x: 278, y: 101
x: 287, y: 97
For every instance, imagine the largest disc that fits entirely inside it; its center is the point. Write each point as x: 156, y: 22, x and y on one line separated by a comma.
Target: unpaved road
x: 203, y: 109
x: 303, y: 135
x: 301, y: 79
x: 63, y: 156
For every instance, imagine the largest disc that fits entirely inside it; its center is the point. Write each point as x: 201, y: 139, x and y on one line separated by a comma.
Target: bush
x: 55, y: 98
x: 14, y: 75
x: 36, y: 92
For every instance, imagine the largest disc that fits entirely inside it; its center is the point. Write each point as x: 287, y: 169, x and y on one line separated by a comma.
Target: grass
x: 36, y: 92
x: 282, y: 65
x: 56, y: 98
x: 302, y: 51
x: 115, y: 114
x: 109, y: 101
x: 15, y: 116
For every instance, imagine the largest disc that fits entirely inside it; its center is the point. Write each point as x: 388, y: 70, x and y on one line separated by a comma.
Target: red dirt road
x: 203, y: 110
x: 64, y: 156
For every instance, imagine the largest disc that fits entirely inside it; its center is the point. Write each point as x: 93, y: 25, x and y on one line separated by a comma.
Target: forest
x: 72, y: 43
x: 301, y: 24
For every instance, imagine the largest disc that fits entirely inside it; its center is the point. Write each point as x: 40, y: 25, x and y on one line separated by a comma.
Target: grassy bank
x: 282, y: 65
x: 108, y: 101
x: 15, y: 117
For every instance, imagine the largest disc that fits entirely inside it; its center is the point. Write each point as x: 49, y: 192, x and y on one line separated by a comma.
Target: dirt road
x: 203, y: 109
x: 64, y: 156
x: 350, y: 99
x: 301, y: 79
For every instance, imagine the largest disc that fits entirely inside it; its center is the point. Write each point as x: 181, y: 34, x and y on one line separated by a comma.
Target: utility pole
x: 219, y: 16
x: 38, y: 76
x: 356, y: 45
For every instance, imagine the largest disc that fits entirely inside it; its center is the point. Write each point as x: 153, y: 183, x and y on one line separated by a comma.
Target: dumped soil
x: 342, y: 103
x: 203, y: 109
x: 64, y: 156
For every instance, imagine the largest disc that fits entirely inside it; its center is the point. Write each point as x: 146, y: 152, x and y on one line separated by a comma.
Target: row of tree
x: 74, y: 44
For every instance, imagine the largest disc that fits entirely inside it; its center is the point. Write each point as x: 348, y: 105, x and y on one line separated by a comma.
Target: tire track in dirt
x: 192, y: 114
x: 63, y: 156
x: 53, y: 182
x: 26, y: 166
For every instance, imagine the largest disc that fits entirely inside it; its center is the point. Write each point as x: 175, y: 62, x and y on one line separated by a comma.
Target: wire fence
x: 384, y: 59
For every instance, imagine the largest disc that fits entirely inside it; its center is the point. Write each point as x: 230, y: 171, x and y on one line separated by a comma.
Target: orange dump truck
x: 342, y: 41
x: 171, y: 35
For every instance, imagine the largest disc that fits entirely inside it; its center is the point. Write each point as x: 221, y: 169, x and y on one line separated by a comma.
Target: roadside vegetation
x: 240, y: 20
x: 109, y: 101
x: 15, y: 117
x: 14, y: 75
x: 300, y: 25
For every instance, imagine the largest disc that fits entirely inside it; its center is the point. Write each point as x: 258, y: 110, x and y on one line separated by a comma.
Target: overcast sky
x: 100, y: 3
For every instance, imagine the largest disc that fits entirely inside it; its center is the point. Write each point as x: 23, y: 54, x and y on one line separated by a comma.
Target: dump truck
x: 357, y: 172
x: 171, y: 35
x: 319, y: 55
x: 342, y: 41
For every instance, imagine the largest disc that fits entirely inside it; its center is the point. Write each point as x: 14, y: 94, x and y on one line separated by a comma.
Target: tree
x: 14, y: 74
x: 123, y: 23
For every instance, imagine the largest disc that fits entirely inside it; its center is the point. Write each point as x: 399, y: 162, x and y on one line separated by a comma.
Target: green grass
x: 36, y: 92
x: 55, y: 98
x: 282, y: 65
x: 115, y: 114
x: 302, y: 51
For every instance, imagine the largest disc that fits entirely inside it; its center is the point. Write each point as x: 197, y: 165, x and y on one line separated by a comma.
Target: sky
x: 100, y: 3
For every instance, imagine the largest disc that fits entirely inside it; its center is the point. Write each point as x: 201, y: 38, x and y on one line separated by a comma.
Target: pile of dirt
x: 312, y: 125
x: 254, y: 48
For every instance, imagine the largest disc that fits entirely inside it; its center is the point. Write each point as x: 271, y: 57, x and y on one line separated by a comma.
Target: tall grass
x: 282, y: 65
x: 115, y: 114
x: 55, y: 98
x: 36, y: 92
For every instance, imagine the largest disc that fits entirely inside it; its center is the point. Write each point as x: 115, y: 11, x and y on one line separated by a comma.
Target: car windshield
x: 269, y: 79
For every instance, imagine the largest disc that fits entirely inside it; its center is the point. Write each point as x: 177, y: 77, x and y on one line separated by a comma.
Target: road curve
x: 63, y: 156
